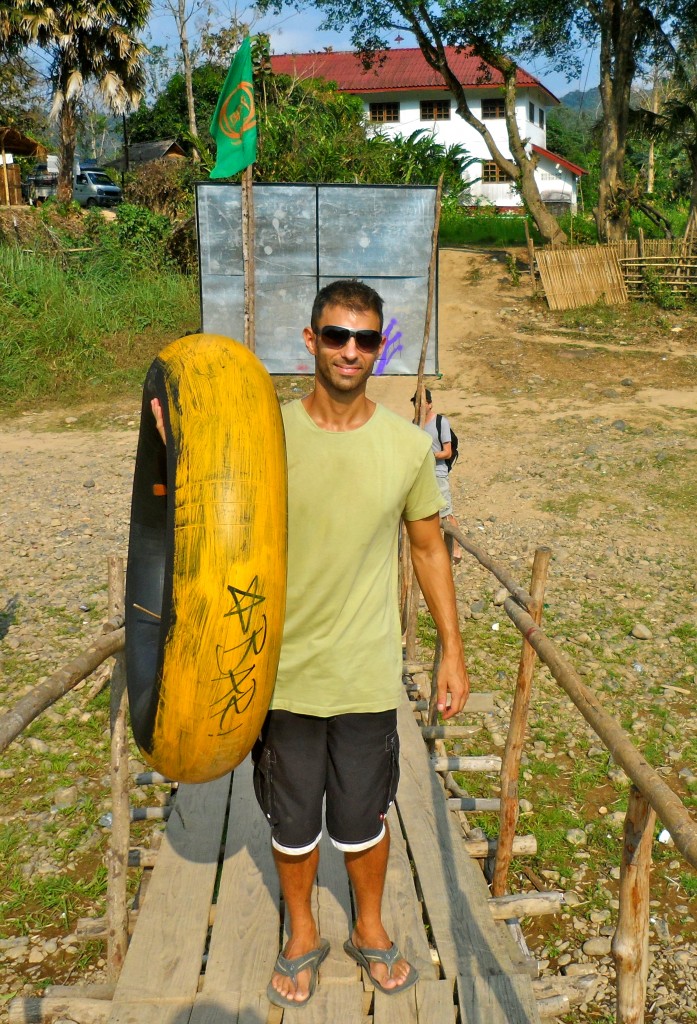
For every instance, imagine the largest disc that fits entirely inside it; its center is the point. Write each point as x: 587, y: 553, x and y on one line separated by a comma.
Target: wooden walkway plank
x: 232, y: 1008
x: 163, y: 964
x: 332, y: 907
x: 401, y: 908
x: 338, y: 1002
x: 498, y: 999
x: 435, y: 1003
x: 428, y: 1003
x: 452, y: 883
x: 245, y: 937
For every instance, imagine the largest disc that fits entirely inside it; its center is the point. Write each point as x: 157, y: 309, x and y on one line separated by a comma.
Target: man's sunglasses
x: 337, y: 337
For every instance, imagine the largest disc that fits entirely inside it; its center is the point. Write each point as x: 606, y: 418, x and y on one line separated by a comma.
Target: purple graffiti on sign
x: 391, y: 348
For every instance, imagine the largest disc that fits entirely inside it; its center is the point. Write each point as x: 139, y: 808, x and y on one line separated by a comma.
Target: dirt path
x: 578, y: 431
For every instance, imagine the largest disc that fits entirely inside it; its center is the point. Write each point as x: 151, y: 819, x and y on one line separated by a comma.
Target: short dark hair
x: 428, y: 397
x: 350, y: 293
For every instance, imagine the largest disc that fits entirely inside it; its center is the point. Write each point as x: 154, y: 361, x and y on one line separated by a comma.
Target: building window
x: 435, y: 110
x: 384, y: 111
x: 491, y: 174
x: 531, y: 112
x: 492, y: 109
x: 541, y: 120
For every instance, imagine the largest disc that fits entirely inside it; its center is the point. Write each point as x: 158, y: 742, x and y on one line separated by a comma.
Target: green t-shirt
x: 347, y: 490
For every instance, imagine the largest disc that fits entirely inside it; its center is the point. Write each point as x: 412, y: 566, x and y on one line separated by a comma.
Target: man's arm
x: 445, y: 452
x: 432, y: 567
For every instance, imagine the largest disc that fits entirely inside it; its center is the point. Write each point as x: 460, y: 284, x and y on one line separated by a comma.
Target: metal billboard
x: 305, y: 237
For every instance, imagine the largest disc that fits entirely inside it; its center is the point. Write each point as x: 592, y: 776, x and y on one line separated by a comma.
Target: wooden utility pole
x: 248, y: 257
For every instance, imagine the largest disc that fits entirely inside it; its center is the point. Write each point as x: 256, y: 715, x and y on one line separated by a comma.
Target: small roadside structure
x: 14, y: 142
x: 147, y: 152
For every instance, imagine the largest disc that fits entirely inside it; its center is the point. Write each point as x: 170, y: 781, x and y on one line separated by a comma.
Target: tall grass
x: 458, y: 227
x: 79, y: 328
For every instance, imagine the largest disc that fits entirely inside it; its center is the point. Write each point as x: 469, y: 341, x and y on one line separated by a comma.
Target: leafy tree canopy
x: 167, y: 117
x: 308, y: 131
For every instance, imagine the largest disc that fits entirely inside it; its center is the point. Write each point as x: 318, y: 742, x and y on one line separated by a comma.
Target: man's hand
x: 453, y: 680
x: 159, y: 418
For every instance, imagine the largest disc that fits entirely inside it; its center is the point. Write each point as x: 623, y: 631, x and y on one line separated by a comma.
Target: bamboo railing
x: 650, y: 796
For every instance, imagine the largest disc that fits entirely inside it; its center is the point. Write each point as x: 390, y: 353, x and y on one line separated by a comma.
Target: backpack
x: 453, y: 443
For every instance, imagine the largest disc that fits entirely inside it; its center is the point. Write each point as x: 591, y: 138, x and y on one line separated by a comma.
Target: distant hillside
x: 588, y: 102
x: 583, y: 102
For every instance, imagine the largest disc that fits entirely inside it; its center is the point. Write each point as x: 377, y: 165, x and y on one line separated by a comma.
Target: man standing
x: 438, y: 429
x: 354, y: 471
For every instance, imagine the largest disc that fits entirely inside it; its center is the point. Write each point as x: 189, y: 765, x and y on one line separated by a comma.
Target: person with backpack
x: 444, y: 445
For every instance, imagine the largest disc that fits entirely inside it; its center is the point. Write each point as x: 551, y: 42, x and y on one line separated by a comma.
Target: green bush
x: 165, y: 186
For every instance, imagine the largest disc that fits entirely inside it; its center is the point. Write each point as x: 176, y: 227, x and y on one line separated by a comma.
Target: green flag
x: 234, y: 124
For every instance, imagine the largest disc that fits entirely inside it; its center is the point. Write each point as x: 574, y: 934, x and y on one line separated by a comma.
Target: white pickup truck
x: 91, y: 187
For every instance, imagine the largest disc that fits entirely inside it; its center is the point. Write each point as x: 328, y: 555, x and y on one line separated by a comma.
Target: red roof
x: 556, y: 159
x: 402, y: 69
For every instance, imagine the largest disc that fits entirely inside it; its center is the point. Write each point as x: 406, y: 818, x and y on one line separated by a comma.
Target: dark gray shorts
x: 352, y: 759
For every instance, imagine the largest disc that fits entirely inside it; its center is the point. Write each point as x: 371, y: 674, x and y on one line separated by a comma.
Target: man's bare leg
x: 297, y: 876
x: 367, y: 871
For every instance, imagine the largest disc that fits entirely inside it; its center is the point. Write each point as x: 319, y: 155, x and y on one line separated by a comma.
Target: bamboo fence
x: 581, y: 277
x: 618, y: 271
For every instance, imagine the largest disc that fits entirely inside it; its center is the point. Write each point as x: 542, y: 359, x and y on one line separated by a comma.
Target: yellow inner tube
x: 223, y: 585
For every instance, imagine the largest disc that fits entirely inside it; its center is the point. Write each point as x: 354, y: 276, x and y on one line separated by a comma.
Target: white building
x: 404, y: 94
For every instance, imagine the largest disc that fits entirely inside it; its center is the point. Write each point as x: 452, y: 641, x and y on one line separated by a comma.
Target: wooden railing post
x: 630, y: 944
x: 510, y: 767
x: 117, y: 854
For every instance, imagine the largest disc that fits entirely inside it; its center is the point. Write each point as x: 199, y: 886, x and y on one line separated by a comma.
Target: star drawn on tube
x: 244, y: 603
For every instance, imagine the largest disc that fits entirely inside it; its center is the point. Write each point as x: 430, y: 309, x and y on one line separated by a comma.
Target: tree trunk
x: 693, y: 189
x: 619, y: 27
x: 68, y: 140
x: 521, y: 168
x: 188, y: 80
x: 546, y: 222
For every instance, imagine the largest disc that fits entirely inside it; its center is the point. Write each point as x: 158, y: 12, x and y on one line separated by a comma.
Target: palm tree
x: 676, y: 121
x: 88, y: 39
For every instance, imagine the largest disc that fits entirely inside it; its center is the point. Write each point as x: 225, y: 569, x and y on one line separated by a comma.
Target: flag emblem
x: 237, y: 114
x: 234, y: 123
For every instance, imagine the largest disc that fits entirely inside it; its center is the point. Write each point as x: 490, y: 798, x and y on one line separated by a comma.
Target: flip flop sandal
x: 389, y: 957
x: 291, y: 968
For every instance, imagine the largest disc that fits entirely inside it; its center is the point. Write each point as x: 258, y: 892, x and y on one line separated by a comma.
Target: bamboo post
x: 117, y: 854
x: 510, y: 768
x: 531, y: 257
x: 4, y: 174
x: 667, y: 804
x: 630, y: 944
x: 404, y: 576
x: 433, y: 263
x: 248, y: 257
x: 411, y: 586
x: 413, y: 596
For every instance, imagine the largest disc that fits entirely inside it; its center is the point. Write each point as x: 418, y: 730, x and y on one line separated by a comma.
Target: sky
x: 298, y: 32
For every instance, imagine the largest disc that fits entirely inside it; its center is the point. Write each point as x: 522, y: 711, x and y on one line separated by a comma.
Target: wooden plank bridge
x: 210, y: 926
